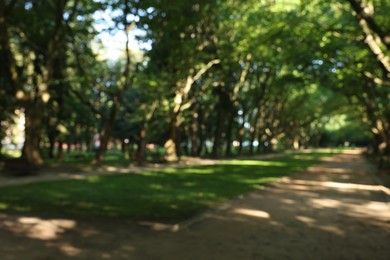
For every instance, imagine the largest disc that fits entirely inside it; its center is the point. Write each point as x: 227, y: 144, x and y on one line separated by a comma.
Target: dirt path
x: 334, y: 210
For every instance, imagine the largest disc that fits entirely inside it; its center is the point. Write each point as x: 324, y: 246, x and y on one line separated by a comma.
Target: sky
x: 114, y: 41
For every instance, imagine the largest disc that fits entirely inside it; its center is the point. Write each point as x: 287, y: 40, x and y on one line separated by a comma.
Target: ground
x: 334, y: 210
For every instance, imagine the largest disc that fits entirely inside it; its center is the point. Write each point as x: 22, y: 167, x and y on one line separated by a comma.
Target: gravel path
x: 334, y: 210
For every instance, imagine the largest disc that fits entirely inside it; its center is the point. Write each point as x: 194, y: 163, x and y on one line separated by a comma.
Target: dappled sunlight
x: 306, y: 220
x: 112, y: 169
x: 314, y: 224
x: 252, y: 213
x: 68, y: 249
x: 317, y: 169
x: 156, y: 186
x: 38, y: 228
x: 288, y: 201
x: 298, y: 187
x: 93, y: 179
x: 325, y: 203
x: 229, y: 218
x: 377, y: 210
x: 254, y: 163
x: 3, y: 206
x: 340, y: 185
x: 198, y: 171
x: 332, y: 229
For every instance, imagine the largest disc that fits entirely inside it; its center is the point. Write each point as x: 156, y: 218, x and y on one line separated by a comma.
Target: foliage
x: 215, y: 78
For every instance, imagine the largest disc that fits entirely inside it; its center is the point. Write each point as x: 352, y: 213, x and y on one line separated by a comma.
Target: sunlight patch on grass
x: 156, y: 186
x: 3, y: 206
x: 304, y: 156
x: 254, y: 162
x: 12, y: 153
x: 93, y: 179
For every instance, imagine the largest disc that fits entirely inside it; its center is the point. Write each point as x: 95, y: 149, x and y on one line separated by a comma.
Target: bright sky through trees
x: 113, y: 40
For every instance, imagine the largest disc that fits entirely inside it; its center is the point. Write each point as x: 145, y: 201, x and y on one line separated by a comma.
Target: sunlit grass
x: 3, y: 206
x: 254, y: 162
x: 11, y: 153
x: 171, y: 194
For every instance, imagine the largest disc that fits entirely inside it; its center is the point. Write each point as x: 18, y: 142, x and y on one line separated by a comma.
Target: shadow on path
x: 334, y: 210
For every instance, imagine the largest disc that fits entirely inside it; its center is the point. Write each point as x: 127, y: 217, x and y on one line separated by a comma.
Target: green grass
x: 171, y: 194
x: 11, y: 153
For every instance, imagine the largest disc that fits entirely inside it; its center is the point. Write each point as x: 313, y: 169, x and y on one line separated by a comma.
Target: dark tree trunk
x: 52, y: 140
x: 217, y: 134
x: 241, y: 133
x: 60, y: 152
x: 178, y: 142
x: 123, y: 146
x: 107, y: 130
x: 253, y: 133
x: 33, y: 128
x: 202, y: 129
x: 229, y: 134
x: 69, y: 146
x: 141, y: 151
x: 1, y: 148
x: 194, y: 135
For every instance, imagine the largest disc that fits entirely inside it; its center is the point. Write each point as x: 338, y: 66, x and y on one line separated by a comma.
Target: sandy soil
x: 335, y: 210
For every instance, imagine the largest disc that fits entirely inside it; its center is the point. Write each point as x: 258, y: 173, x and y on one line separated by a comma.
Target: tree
x: 32, y: 34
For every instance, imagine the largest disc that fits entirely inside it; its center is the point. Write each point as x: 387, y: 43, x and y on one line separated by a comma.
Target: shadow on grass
x: 169, y: 195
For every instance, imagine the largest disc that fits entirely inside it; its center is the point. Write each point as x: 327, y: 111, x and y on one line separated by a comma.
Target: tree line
x: 216, y: 77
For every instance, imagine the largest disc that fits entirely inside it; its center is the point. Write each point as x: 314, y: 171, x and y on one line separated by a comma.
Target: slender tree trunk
x: 253, y: 133
x: 1, y: 148
x: 141, y: 153
x: 202, y: 130
x: 194, y: 134
x: 123, y: 147
x: 60, y: 152
x: 51, y: 146
x: 179, y: 149
x: 52, y: 135
x: 229, y: 134
x: 217, y: 134
x: 202, y: 141
x: 240, y: 140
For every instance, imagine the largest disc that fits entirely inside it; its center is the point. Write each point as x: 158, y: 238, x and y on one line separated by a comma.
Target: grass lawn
x: 171, y: 194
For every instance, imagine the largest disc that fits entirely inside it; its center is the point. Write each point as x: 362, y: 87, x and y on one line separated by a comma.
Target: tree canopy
x: 196, y: 77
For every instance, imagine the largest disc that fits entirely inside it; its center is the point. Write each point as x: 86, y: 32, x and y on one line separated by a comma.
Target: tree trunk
x: 170, y: 144
x: 217, y: 134
x: 253, y: 133
x: 202, y: 142
x: 375, y: 38
x: 33, y: 128
x: 1, y: 148
x: 52, y: 140
x: 229, y: 135
x: 201, y: 134
x: 194, y: 135
x: 296, y: 143
x: 60, y: 152
x: 141, y: 152
x: 107, y: 130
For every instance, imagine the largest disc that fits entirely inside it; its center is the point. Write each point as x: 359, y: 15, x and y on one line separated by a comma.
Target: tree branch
x: 361, y: 14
